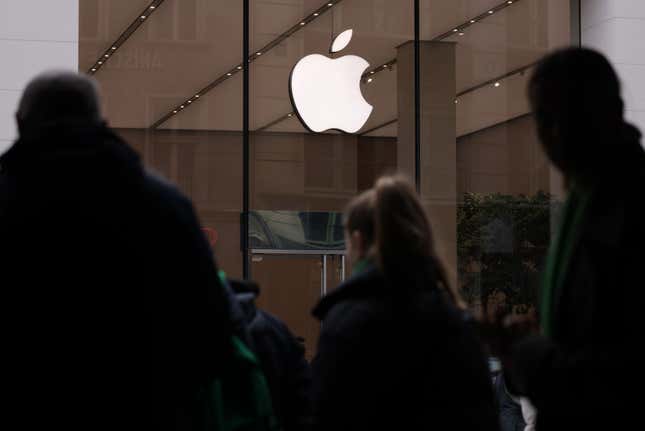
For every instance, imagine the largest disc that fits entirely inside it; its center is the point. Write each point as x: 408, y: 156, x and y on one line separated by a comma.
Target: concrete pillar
x: 617, y: 29
x: 438, y: 136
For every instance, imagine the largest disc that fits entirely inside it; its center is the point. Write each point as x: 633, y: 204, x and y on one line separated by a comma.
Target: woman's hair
x: 398, y: 235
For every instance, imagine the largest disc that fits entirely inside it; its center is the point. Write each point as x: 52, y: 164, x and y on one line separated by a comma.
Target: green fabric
x: 222, y: 276
x: 561, y: 253
x: 240, y: 399
x: 361, y: 266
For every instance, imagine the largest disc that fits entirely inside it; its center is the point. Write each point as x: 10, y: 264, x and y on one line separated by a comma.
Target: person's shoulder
x: 361, y: 292
x: 158, y: 186
x: 362, y: 308
x: 164, y: 197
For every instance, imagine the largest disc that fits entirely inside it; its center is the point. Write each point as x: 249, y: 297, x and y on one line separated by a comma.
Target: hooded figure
x: 282, y: 359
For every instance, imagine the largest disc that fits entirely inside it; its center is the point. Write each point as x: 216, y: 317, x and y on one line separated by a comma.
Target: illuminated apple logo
x: 326, y: 92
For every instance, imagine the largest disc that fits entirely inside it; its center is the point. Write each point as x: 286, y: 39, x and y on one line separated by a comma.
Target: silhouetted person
x: 282, y: 358
x: 395, y: 352
x: 114, y: 316
x: 582, y: 370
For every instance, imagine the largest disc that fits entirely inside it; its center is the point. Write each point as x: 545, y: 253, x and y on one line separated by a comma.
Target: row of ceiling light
x: 369, y: 76
x: 254, y: 56
x: 123, y: 37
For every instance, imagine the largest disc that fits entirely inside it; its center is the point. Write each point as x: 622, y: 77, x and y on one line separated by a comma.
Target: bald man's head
x: 58, y: 97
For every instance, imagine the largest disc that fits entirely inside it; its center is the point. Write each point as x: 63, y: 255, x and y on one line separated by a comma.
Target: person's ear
x: 358, y: 243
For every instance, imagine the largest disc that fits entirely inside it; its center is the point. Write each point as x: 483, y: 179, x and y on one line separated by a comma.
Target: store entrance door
x: 292, y: 283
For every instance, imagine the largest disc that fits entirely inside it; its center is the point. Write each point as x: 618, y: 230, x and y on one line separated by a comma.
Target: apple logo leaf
x: 341, y: 41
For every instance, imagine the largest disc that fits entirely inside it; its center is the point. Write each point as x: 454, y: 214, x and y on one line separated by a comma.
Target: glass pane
x: 176, y: 59
x: 291, y: 286
x: 301, y: 180
x: 296, y: 230
x: 484, y: 178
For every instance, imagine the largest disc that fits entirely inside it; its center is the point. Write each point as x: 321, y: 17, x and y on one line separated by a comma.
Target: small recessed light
x: 289, y: 115
x: 330, y: 4
x: 190, y: 101
x: 100, y: 62
x: 455, y: 30
x: 316, y: 14
x: 93, y: 70
x: 239, y: 67
x: 196, y: 96
x: 456, y: 101
x: 302, y: 23
x: 181, y: 107
x: 114, y: 48
x: 472, y: 21
x: 510, y: 2
x: 106, y: 55
x: 490, y: 11
x: 259, y: 53
x: 174, y: 112
x: 461, y: 34
x: 497, y: 84
x: 372, y: 72
x: 143, y: 17
x: 385, y: 66
x: 369, y: 80
x: 152, y: 7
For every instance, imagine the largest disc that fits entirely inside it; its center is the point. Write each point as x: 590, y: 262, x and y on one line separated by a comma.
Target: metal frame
x: 417, y: 97
x: 281, y: 252
x: 324, y: 254
x: 244, y: 225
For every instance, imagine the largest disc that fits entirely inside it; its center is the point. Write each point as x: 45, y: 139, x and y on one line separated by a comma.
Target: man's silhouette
x: 584, y: 370
x: 114, y: 316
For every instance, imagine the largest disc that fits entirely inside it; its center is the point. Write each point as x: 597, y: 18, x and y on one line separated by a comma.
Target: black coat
x: 510, y: 410
x: 113, y: 313
x: 283, y: 362
x: 394, y: 362
x: 589, y: 375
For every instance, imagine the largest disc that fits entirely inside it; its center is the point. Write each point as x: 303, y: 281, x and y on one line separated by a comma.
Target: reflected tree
x: 502, y: 244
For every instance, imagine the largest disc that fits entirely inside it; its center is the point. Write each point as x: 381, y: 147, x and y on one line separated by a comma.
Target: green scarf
x: 361, y: 266
x: 561, y: 253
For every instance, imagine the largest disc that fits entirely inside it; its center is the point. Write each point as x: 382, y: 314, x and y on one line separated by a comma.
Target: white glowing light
x: 342, y: 40
x: 326, y: 92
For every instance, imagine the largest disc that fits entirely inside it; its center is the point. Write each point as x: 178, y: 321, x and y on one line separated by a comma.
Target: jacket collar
x: 367, y: 283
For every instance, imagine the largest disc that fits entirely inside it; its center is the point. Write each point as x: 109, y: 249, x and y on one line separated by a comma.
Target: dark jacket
x: 510, y: 410
x: 113, y: 311
x: 397, y: 362
x: 283, y: 362
x: 585, y: 375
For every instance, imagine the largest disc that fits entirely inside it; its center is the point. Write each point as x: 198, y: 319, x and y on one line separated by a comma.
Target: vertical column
x: 35, y: 36
x: 438, y: 167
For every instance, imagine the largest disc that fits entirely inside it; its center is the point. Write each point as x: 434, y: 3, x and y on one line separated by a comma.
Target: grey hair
x: 56, y: 97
